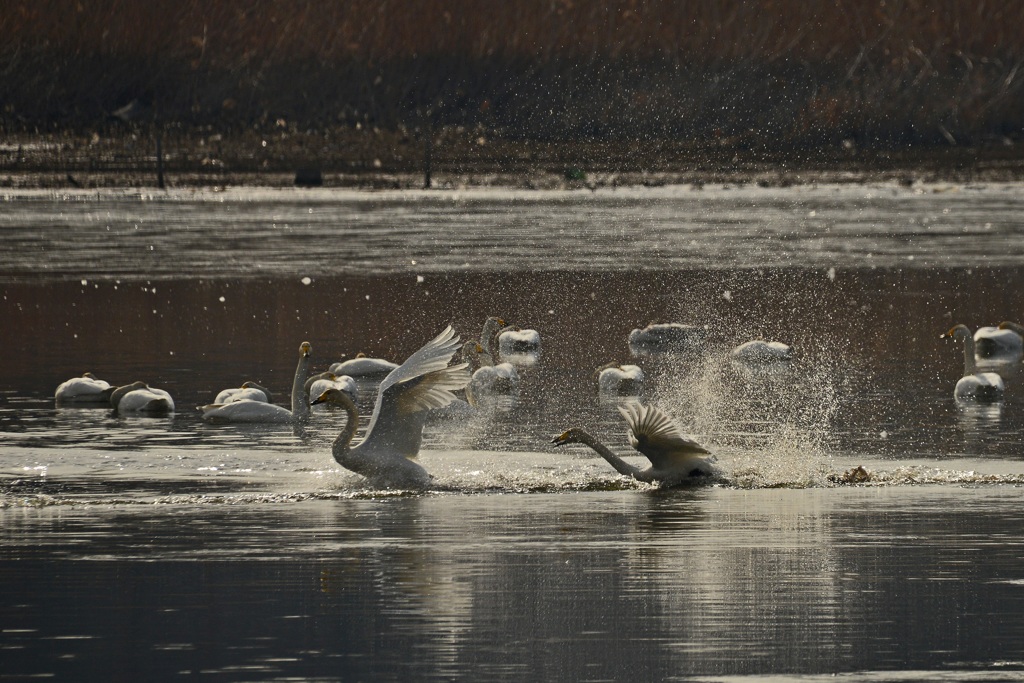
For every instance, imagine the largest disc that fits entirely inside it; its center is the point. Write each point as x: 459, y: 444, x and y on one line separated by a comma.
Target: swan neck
x: 343, y: 442
x: 300, y: 401
x: 970, y: 364
x: 620, y: 465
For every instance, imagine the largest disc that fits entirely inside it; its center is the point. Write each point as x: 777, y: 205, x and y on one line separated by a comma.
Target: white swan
x: 1013, y: 327
x: 489, y: 335
x: 760, y: 351
x: 84, y: 390
x: 248, y: 390
x: 488, y: 379
x: 250, y: 411
x: 665, y: 338
x: 139, y: 397
x: 318, y: 384
x: 423, y: 382
x: 620, y: 380
x: 998, y: 343
x: 974, y: 385
x: 518, y: 342
x: 362, y: 366
x: 674, y: 458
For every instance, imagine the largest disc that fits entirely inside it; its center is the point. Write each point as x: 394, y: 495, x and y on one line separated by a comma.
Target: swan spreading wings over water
x: 674, y: 458
x: 423, y: 382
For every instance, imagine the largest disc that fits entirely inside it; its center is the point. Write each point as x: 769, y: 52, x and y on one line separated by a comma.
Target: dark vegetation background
x: 627, y: 85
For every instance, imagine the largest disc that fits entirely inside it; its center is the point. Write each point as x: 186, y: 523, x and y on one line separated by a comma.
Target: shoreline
x: 383, y: 160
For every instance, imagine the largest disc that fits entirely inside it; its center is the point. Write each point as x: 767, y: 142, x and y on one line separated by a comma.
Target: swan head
x: 957, y: 332
x: 305, y: 348
x: 332, y: 396
x: 573, y: 435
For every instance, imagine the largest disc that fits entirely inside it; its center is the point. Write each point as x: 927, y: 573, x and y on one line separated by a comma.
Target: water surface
x: 163, y: 547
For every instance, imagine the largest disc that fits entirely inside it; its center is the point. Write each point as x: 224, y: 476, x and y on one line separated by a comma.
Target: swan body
x: 249, y: 390
x: 516, y: 341
x: 974, y: 385
x: 998, y: 343
x: 488, y: 379
x: 423, y: 382
x: 665, y: 338
x: 623, y: 380
x: 362, y: 366
x: 87, y: 389
x: 140, y: 398
x: 674, y: 457
x: 247, y: 410
x: 760, y: 351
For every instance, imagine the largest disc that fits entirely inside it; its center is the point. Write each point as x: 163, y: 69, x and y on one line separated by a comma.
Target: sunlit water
x: 161, y: 547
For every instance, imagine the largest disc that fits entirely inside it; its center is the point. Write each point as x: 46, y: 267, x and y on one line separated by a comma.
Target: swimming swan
x: 423, y: 382
x: 248, y: 390
x: 674, y: 458
x: 622, y: 380
x: 139, y: 397
x: 250, y: 411
x: 493, y: 326
x: 974, y: 385
x: 487, y: 379
x: 84, y: 390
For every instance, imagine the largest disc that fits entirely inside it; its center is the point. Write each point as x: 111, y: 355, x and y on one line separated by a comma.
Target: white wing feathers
x: 423, y: 382
x: 654, y: 434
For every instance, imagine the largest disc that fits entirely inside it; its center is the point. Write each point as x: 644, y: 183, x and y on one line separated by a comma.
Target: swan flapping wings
x: 654, y: 434
x: 423, y: 382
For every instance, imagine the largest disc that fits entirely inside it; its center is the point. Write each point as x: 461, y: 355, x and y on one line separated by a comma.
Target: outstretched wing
x: 654, y: 434
x: 423, y: 382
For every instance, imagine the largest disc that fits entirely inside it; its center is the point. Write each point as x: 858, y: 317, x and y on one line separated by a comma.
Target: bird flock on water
x: 485, y: 368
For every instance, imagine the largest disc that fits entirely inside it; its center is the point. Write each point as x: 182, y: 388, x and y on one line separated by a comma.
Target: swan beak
x: 561, y: 439
x: 305, y: 349
x: 319, y: 399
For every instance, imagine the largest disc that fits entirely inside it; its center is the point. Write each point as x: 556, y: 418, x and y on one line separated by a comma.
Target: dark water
x: 152, y: 548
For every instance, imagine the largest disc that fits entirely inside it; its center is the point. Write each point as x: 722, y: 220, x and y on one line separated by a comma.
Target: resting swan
x: 999, y: 343
x: 620, y: 380
x: 518, y: 342
x: 363, y: 366
x: 974, y: 385
x: 250, y: 411
x: 665, y: 338
x: 674, y: 458
x: 83, y: 390
x: 139, y: 397
x: 423, y: 382
x: 318, y: 384
x: 248, y: 390
x: 760, y: 351
x: 487, y: 379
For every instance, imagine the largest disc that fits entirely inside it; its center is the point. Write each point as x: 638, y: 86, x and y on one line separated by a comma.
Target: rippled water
x: 156, y: 547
